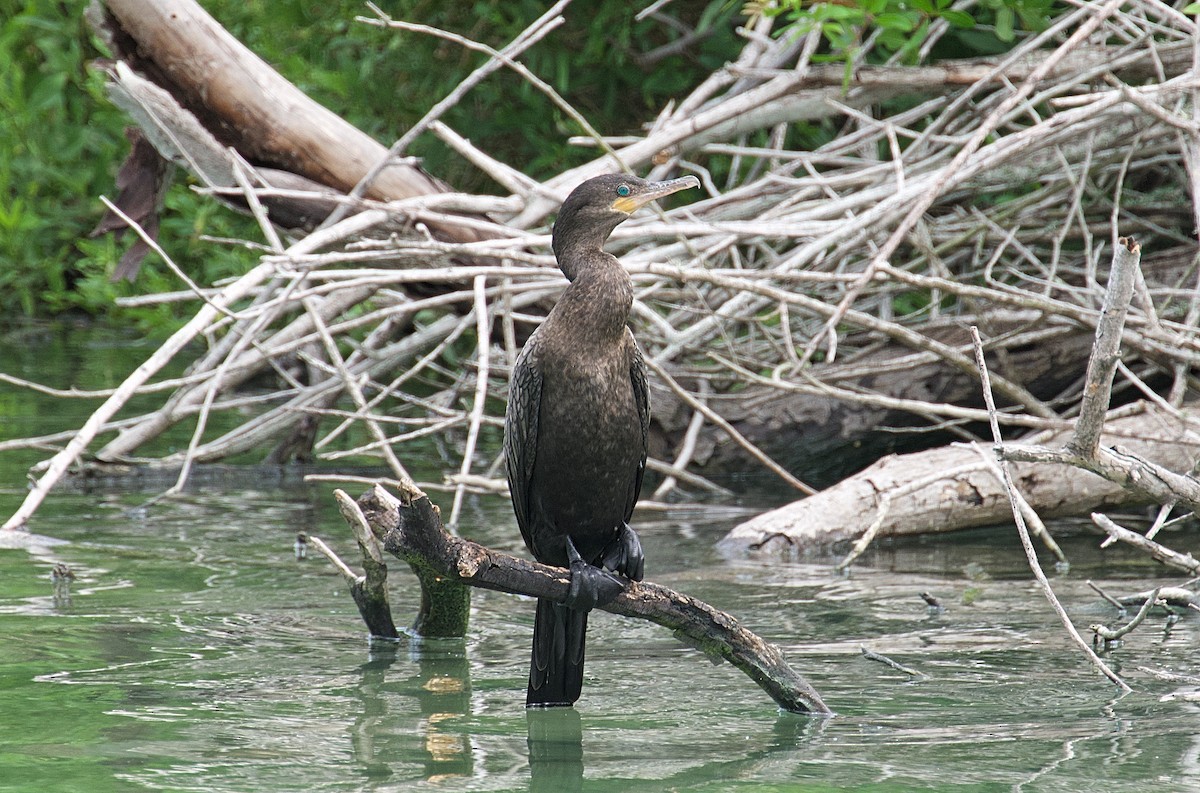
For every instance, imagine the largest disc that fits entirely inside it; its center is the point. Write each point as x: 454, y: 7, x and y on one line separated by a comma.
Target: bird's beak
x: 631, y: 203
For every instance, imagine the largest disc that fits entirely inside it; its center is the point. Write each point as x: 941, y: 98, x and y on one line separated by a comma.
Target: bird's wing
x: 641, y: 398
x: 521, y: 431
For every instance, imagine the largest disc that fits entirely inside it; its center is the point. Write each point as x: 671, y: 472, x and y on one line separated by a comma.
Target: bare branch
x: 1102, y: 363
x: 1163, y: 554
x: 1023, y: 531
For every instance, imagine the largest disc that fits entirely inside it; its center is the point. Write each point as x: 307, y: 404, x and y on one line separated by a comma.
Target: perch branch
x: 413, y: 532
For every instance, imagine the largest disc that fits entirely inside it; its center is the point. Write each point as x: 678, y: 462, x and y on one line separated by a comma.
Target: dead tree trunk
x: 246, y: 104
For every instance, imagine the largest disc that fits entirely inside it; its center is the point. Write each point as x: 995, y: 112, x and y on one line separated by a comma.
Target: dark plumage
x: 575, y: 430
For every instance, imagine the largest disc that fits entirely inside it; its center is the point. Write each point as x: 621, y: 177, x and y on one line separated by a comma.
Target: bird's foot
x: 591, y: 586
x: 624, y: 554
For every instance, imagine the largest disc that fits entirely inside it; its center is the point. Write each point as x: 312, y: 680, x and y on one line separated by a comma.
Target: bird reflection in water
x: 555, y: 750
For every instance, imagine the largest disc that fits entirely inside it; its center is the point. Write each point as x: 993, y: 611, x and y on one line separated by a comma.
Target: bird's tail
x: 556, y: 673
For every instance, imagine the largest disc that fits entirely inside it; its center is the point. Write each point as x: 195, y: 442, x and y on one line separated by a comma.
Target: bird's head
x: 596, y: 207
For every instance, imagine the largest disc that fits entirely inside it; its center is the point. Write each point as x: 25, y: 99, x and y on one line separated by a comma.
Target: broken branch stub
x: 413, y: 532
x: 370, y: 589
x: 1106, y: 348
x: 445, y: 602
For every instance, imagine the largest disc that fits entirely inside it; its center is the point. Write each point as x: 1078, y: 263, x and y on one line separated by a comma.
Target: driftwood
x: 956, y: 487
x: 248, y: 105
x: 1179, y: 561
x: 412, y: 531
x: 810, y: 297
x: 1082, y: 451
x: 826, y: 423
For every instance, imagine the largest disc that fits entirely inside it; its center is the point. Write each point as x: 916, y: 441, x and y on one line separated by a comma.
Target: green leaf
x: 893, y: 21
x: 908, y: 50
x: 891, y: 40
x: 844, y: 13
x: 1004, y: 23
x: 959, y: 19
x: 1192, y: 8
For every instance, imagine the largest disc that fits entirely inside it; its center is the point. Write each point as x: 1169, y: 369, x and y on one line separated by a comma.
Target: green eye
x: 623, y: 190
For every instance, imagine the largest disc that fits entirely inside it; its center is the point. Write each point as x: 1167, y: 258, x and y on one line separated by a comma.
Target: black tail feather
x: 556, y: 673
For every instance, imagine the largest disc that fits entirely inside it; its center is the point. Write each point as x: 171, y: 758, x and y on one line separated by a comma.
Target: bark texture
x: 953, y: 488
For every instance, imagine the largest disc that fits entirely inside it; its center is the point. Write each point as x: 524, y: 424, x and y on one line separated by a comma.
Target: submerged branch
x: 1112, y: 634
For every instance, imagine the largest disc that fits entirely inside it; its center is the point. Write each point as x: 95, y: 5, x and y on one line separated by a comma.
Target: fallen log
x: 412, y: 531
x: 954, y: 487
x: 245, y: 104
x: 825, y: 424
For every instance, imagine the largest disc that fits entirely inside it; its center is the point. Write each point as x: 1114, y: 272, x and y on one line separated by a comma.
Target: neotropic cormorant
x: 575, y: 430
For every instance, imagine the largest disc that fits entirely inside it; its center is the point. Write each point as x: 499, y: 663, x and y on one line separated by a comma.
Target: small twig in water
x: 1170, y: 677
x: 330, y: 554
x: 871, y: 655
x: 1116, y: 603
x: 935, y: 605
x: 1109, y: 635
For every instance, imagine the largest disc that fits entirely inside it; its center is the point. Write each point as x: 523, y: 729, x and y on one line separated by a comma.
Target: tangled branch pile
x: 811, y: 298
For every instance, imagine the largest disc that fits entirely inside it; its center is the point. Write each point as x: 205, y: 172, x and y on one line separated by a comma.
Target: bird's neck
x: 576, y: 245
x: 597, y: 302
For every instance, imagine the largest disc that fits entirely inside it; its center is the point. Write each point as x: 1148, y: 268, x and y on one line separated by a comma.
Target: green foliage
x: 900, y: 27
x: 385, y: 80
x: 63, y: 143
x: 56, y: 125
x: 67, y: 140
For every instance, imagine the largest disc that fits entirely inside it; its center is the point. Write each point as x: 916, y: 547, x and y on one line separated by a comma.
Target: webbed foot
x: 624, y: 554
x: 591, y: 586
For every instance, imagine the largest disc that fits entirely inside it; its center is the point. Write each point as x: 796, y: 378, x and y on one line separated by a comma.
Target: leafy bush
x: 64, y: 142
x: 57, y: 129
x: 900, y: 27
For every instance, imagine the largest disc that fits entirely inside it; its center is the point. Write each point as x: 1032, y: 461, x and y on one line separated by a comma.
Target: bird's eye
x: 623, y: 190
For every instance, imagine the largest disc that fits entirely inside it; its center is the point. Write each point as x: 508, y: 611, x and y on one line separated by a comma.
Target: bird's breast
x: 590, y: 445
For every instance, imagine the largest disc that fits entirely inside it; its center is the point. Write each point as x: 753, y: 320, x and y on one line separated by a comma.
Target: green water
x: 195, y: 653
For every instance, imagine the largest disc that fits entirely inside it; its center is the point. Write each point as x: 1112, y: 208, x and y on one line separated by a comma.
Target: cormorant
x: 575, y: 430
